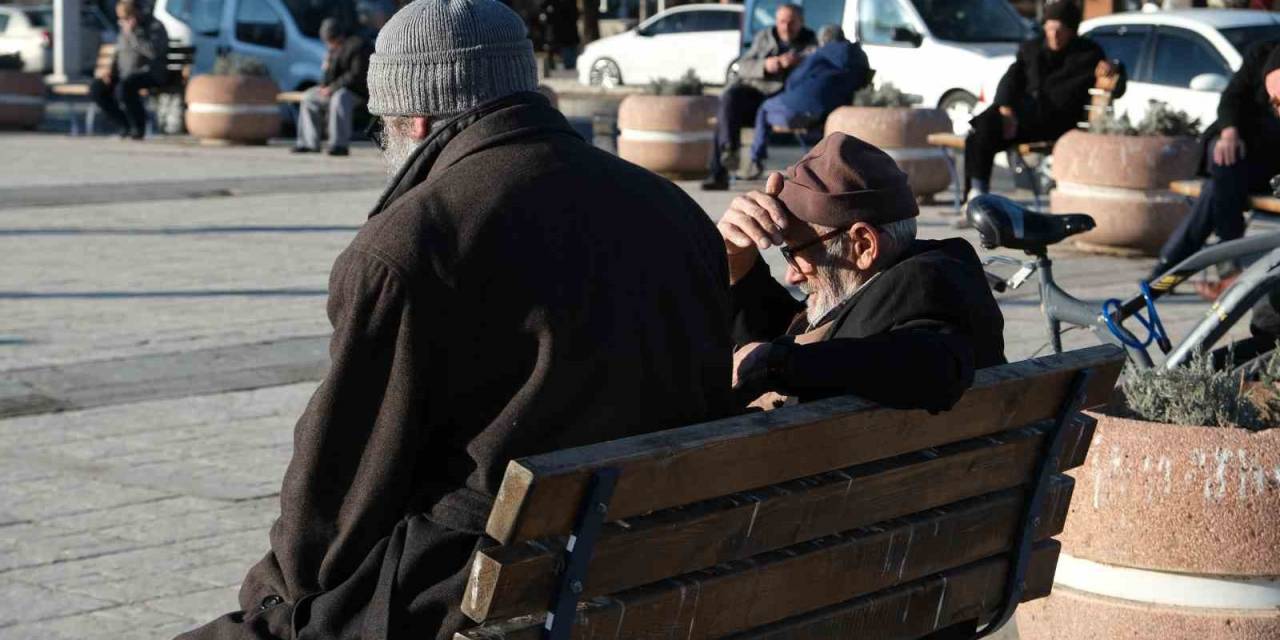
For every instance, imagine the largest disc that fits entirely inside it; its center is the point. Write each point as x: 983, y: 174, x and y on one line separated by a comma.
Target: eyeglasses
x: 377, y: 132
x: 789, y: 252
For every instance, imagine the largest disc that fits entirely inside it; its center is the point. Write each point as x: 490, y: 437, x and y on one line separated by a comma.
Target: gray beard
x: 396, y: 150
x: 830, y: 289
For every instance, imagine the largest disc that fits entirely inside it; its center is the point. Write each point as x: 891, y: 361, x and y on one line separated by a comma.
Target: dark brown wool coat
x: 516, y: 291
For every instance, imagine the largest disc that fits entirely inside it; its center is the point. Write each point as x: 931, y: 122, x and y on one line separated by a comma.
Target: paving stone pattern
x: 156, y: 348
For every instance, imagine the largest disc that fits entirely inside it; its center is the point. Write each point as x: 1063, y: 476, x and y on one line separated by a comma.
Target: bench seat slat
x: 540, y: 495
x: 922, y: 607
x: 1192, y: 188
x: 778, y: 585
x: 513, y: 580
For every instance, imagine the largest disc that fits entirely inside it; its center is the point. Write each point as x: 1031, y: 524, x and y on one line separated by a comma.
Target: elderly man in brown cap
x: 896, y: 320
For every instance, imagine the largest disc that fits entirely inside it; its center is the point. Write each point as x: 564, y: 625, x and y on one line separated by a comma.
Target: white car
x: 702, y: 37
x: 951, y: 53
x: 28, y: 31
x: 1183, y: 58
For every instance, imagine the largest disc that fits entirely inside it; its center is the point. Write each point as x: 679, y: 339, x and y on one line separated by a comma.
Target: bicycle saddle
x: 1003, y: 223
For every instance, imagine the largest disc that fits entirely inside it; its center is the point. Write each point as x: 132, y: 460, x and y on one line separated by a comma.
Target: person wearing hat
x: 1042, y: 95
x: 1245, y: 155
x: 896, y: 320
x: 346, y: 85
x: 496, y: 304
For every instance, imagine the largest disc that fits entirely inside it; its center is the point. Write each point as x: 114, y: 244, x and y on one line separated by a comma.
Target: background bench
x: 178, y: 64
x: 952, y: 145
x: 1259, y: 202
x: 835, y: 518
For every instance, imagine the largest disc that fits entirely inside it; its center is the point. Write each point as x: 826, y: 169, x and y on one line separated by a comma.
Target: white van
x: 951, y: 53
x: 281, y: 33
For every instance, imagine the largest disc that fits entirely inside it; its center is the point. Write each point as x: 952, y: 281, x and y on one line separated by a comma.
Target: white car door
x: 716, y: 46
x: 1181, y: 59
x: 204, y: 18
x: 663, y: 49
x: 891, y: 39
x: 258, y: 30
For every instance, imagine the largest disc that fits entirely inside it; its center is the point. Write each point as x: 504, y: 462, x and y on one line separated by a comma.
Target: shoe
x: 1212, y: 290
x: 730, y: 158
x: 718, y: 181
x: 303, y: 150
x: 338, y: 151
x: 754, y: 171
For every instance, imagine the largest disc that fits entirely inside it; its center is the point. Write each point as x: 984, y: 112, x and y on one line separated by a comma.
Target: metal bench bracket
x: 1046, y: 468
x: 577, y: 558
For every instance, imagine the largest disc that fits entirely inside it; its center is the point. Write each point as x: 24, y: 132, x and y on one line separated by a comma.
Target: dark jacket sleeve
x: 1236, y: 100
x: 762, y: 308
x: 1014, y: 83
x: 1067, y: 91
x: 355, y: 447
x: 350, y: 68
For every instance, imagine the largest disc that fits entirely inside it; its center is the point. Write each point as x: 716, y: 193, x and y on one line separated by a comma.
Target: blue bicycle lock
x: 1155, y: 329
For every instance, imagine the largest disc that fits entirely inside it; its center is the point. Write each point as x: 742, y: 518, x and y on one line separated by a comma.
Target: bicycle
x: 1001, y: 223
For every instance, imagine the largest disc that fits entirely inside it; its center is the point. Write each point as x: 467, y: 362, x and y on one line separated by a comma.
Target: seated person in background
x: 138, y: 63
x: 1245, y: 156
x: 762, y: 70
x: 825, y: 80
x: 346, y: 84
x: 1042, y: 95
x: 895, y: 320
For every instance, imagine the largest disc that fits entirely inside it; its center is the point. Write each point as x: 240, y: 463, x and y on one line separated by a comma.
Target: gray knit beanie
x: 448, y: 56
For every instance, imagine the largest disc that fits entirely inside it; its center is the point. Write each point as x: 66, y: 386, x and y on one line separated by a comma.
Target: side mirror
x: 907, y: 35
x: 1214, y: 82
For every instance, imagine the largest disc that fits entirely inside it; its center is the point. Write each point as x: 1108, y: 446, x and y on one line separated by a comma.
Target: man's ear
x: 866, y: 245
x: 420, y: 127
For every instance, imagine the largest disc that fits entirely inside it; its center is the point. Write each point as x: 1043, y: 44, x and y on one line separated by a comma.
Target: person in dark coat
x: 1246, y: 154
x: 827, y: 79
x: 762, y: 72
x: 495, y: 305
x: 139, y: 62
x: 559, y: 24
x: 895, y: 320
x: 1042, y: 95
x: 345, y: 86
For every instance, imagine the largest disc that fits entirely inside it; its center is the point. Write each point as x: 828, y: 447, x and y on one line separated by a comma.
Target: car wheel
x: 605, y: 73
x: 731, y: 76
x: 959, y: 105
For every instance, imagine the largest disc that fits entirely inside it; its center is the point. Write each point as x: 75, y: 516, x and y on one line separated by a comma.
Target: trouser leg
x: 985, y: 140
x: 738, y: 106
x: 311, y: 112
x: 104, y: 95
x: 342, y: 108
x: 130, y: 90
x: 772, y: 113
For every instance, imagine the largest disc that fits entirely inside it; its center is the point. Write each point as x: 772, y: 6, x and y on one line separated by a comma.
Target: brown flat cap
x: 844, y: 180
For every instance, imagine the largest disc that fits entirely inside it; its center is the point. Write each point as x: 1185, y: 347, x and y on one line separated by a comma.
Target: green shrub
x: 11, y: 62
x: 235, y: 64
x: 885, y: 95
x: 1161, y: 120
x: 1198, y: 395
x: 686, y: 85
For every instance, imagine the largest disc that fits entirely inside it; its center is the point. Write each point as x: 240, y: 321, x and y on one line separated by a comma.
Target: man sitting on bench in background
x: 1245, y: 156
x: 138, y: 63
x: 1041, y: 96
x: 825, y: 80
x: 899, y: 321
x: 346, y: 85
x: 762, y: 70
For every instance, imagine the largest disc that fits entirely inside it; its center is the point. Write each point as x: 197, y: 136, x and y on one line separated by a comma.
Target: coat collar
x: 491, y: 124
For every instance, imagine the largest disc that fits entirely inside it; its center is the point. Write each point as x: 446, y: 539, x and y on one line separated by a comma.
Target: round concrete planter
x: 1122, y: 181
x: 232, y: 109
x: 901, y: 133
x: 1172, y: 534
x: 671, y: 135
x: 21, y: 99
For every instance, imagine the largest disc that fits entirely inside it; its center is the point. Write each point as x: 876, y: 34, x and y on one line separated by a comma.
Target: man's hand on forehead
x: 755, y: 219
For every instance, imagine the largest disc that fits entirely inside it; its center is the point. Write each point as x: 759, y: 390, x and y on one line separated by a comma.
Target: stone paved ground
x: 178, y: 323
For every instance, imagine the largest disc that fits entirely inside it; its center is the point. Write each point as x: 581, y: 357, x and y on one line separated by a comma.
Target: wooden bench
x: 831, y: 519
x: 179, y: 61
x: 1258, y: 202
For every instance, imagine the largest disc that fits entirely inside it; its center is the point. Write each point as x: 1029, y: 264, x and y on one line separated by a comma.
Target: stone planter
x: 21, y: 99
x: 232, y: 109
x: 1123, y: 182
x: 901, y: 133
x: 671, y: 135
x: 1173, y: 533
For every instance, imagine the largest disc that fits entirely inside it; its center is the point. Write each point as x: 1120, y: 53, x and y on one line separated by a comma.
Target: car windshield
x: 972, y: 20
x: 817, y: 14
x: 1243, y: 38
x: 308, y: 14
x: 40, y: 17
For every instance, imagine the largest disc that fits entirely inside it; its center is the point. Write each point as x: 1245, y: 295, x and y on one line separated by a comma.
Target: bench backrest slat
x: 775, y: 586
x: 513, y: 580
x: 541, y: 495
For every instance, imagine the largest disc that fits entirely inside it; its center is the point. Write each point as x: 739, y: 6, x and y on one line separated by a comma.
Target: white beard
x: 830, y: 288
x: 396, y: 149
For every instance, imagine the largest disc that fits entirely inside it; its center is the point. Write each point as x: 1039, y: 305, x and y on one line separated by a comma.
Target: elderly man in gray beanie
x: 498, y: 303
